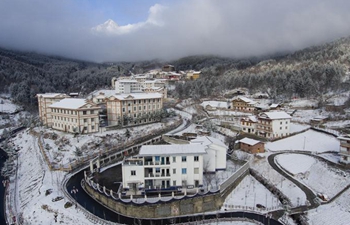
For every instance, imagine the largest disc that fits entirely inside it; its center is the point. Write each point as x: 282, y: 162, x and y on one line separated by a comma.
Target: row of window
x: 183, y: 158
x: 140, y: 101
x: 72, y: 112
x: 183, y: 171
x: 72, y: 120
x: 59, y: 125
x: 144, y: 108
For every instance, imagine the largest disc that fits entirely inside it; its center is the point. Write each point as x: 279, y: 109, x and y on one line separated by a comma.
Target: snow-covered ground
x: 287, y: 161
x: 294, y: 193
x: 310, y: 140
x: 301, y: 103
x: 249, y: 193
x: 337, y: 212
x: 215, y: 104
x: 29, y: 196
x: 316, y: 174
x: 297, y: 127
x: 305, y: 115
x: 337, y: 124
x: 6, y: 106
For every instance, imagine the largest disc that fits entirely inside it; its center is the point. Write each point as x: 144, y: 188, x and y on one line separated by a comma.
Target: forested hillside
x: 311, y: 72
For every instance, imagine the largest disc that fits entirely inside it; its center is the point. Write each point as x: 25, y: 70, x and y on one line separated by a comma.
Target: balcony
x: 156, y: 163
x: 344, y: 144
x: 157, y: 175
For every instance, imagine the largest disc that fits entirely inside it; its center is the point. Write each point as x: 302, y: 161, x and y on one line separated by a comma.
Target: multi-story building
x: 243, y: 104
x: 248, y: 124
x: 273, y: 125
x: 126, y: 86
x: 135, y: 108
x: 75, y: 115
x: 44, y: 101
x: 344, y: 149
x: 215, y: 159
x: 164, y: 168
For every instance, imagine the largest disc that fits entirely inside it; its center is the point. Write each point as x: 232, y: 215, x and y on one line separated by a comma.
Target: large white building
x: 215, y: 159
x: 133, y: 109
x: 164, y: 168
x: 75, y: 115
x: 127, y: 86
x: 44, y: 101
x: 344, y: 149
x: 273, y: 125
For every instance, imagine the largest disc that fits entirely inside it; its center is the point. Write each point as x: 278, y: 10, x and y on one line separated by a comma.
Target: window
x: 174, y: 159
x: 133, y: 172
x: 196, y: 171
x: 139, y: 107
x: 123, y: 109
x: 92, y: 112
x: 157, y: 170
x: 92, y: 127
x: 174, y: 171
x: 280, y: 128
x: 134, y: 108
x: 157, y: 158
x: 92, y: 119
x: 286, y: 128
x: 183, y: 159
x: 286, y: 122
x: 84, y: 112
x: 196, y: 158
x: 174, y: 182
x: 85, y: 120
x: 184, y: 171
x: 281, y: 123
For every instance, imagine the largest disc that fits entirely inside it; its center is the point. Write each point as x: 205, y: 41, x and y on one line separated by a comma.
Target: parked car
x: 259, y: 206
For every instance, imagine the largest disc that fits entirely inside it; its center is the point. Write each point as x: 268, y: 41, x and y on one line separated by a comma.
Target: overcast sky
x: 164, y: 29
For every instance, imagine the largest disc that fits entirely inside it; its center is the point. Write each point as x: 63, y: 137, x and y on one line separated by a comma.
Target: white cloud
x: 110, y: 27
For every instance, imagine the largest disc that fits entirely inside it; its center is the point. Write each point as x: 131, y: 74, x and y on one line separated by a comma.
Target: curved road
x: 310, y: 195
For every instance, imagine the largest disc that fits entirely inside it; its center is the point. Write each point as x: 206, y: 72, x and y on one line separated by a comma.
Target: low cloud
x: 227, y: 28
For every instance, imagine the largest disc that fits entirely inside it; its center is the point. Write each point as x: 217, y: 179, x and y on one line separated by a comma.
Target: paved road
x: 310, y: 195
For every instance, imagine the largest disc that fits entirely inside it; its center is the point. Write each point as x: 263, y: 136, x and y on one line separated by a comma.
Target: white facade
x: 215, y: 159
x: 344, y: 149
x: 125, y: 86
x: 164, y: 167
x: 273, y: 124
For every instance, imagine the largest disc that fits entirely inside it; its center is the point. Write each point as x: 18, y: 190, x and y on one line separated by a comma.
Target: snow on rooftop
x: 215, y: 104
x: 49, y: 95
x: 188, y: 149
x: 245, y: 99
x: 276, y: 115
x: 138, y: 96
x: 206, y: 140
x: 69, y: 103
x: 127, y: 81
x: 249, y: 141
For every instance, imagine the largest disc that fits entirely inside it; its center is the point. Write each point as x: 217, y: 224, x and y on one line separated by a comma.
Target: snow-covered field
x: 6, y: 106
x: 288, y: 162
x: 249, y: 193
x: 215, y: 104
x: 308, y: 141
x: 294, y: 193
x: 29, y: 197
x: 297, y: 127
x: 304, y: 116
x: 337, y: 212
x: 316, y: 174
x: 301, y: 103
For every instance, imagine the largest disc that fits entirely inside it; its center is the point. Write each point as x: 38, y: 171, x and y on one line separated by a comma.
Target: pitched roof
x: 50, y: 95
x: 245, y: 99
x: 275, y: 115
x: 187, y: 149
x: 138, y: 96
x: 69, y: 103
x: 249, y: 141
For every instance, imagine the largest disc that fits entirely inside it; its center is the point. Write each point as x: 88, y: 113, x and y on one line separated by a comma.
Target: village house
x: 135, y: 108
x: 251, y: 145
x: 75, y: 115
x: 44, y: 101
x: 273, y: 125
x: 160, y: 168
x: 168, y: 68
x: 248, y: 124
x: 243, y: 104
x: 344, y: 149
x: 193, y: 75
